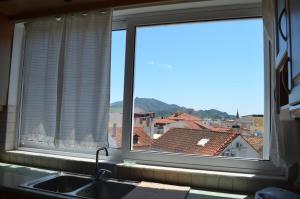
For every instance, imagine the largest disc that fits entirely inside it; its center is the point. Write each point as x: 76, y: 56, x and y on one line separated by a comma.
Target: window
x: 116, y: 89
x: 170, y: 60
x: 185, y: 86
x: 201, y: 81
x: 135, y: 139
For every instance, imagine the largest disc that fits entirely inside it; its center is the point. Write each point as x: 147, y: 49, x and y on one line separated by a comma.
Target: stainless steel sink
x: 110, y: 189
x: 81, y: 186
x: 63, y: 184
x: 59, y: 183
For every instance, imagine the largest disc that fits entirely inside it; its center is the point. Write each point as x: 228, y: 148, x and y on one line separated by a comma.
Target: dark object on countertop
x: 275, y: 193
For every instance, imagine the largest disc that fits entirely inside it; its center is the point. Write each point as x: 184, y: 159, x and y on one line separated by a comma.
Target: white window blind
x: 66, y: 83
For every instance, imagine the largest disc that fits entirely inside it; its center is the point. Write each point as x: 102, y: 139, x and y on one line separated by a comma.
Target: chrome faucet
x: 100, y: 173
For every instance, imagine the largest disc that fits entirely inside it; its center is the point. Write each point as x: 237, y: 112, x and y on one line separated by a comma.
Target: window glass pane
x: 199, y: 88
x: 116, y: 89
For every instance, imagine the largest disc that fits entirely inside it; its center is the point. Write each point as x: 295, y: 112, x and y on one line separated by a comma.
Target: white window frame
x: 253, y: 166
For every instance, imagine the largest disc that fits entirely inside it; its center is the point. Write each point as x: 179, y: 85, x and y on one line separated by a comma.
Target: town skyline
x: 231, y: 114
x: 184, y: 133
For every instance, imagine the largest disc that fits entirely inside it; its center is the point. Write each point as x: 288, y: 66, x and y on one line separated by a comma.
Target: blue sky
x: 208, y: 65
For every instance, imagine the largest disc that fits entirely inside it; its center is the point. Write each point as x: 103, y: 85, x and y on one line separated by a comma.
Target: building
x: 140, y: 140
x: 178, y: 120
x: 115, y: 118
x: 145, y: 121
x: 255, y: 123
x: 209, y: 143
x: 245, y: 147
x: 194, y: 141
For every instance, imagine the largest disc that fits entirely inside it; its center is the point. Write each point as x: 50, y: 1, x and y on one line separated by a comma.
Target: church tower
x: 237, y: 117
x: 236, y: 124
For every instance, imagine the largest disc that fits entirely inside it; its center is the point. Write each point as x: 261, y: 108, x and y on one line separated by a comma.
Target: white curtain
x: 40, y: 75
x: 86, y: 81
x: 68, y: 107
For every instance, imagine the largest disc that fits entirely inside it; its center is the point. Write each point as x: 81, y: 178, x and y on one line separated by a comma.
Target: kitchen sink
x: 59, y: 183
x: 81, y: 186
x: 106, y: 189
x: 63, y: 184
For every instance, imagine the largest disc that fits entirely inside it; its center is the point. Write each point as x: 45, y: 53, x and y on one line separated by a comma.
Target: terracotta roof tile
x: 220, y: 129
x: 183, y: 116
x: 189, y: 121
x: 191, y: 125
x: 202, y: 125
x: 144, y: 139
x: 163, y: 121
x: 182, y: 140
x: 255, y: 141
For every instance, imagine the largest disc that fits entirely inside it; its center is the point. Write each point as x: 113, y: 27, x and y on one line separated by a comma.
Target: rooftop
x: 182, y: 140
x: 184, y: 116
x: 220, y: 129
x: 144, y: 139
x: 255, y: 141
x: 188, y: 121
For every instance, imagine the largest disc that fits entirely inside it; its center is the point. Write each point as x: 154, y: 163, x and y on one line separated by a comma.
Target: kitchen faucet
x: 100, y: 173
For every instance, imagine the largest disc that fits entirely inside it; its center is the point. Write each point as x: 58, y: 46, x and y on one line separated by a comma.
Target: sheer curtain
x: 40, y: 82
x: 66, y: 82
x: 86, y: 81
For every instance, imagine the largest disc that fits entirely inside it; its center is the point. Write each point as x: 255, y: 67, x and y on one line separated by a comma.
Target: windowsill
x: 89, y: 158
x: 62, y: 157
x: 85, y: 165
x: 217, y: 180
x: 203, y: 172
x: 113, y: 157
x: 212, y: 180
x: 119, y: 163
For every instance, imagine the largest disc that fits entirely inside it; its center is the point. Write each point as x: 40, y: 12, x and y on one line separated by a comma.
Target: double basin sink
x: 82, y: 186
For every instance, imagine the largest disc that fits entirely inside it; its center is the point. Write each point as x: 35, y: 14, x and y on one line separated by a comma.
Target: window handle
x: 283, y: 80
x: 283, y: 12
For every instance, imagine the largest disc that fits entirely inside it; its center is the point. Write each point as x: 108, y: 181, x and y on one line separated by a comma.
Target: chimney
x: 114, y: 130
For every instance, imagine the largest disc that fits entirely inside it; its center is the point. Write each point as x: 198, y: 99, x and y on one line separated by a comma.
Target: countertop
x: 11, y: 176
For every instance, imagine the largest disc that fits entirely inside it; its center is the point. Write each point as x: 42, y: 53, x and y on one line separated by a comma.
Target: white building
x: 245, y: 147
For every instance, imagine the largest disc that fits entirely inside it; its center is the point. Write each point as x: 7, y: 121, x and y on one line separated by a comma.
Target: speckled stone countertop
x: 11, y: 176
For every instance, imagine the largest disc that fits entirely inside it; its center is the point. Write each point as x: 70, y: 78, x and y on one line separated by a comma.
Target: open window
x: 195, y: 83
x: 195, y: 92
x: 116, y: 88
x: 201, y: 81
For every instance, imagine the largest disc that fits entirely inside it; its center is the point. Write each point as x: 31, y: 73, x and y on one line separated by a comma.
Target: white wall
x: 115, y: 118
x: 246, y: 151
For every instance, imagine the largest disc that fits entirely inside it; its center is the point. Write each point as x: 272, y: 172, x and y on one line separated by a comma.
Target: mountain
x: 163, y: 109
x: 213, y: 113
